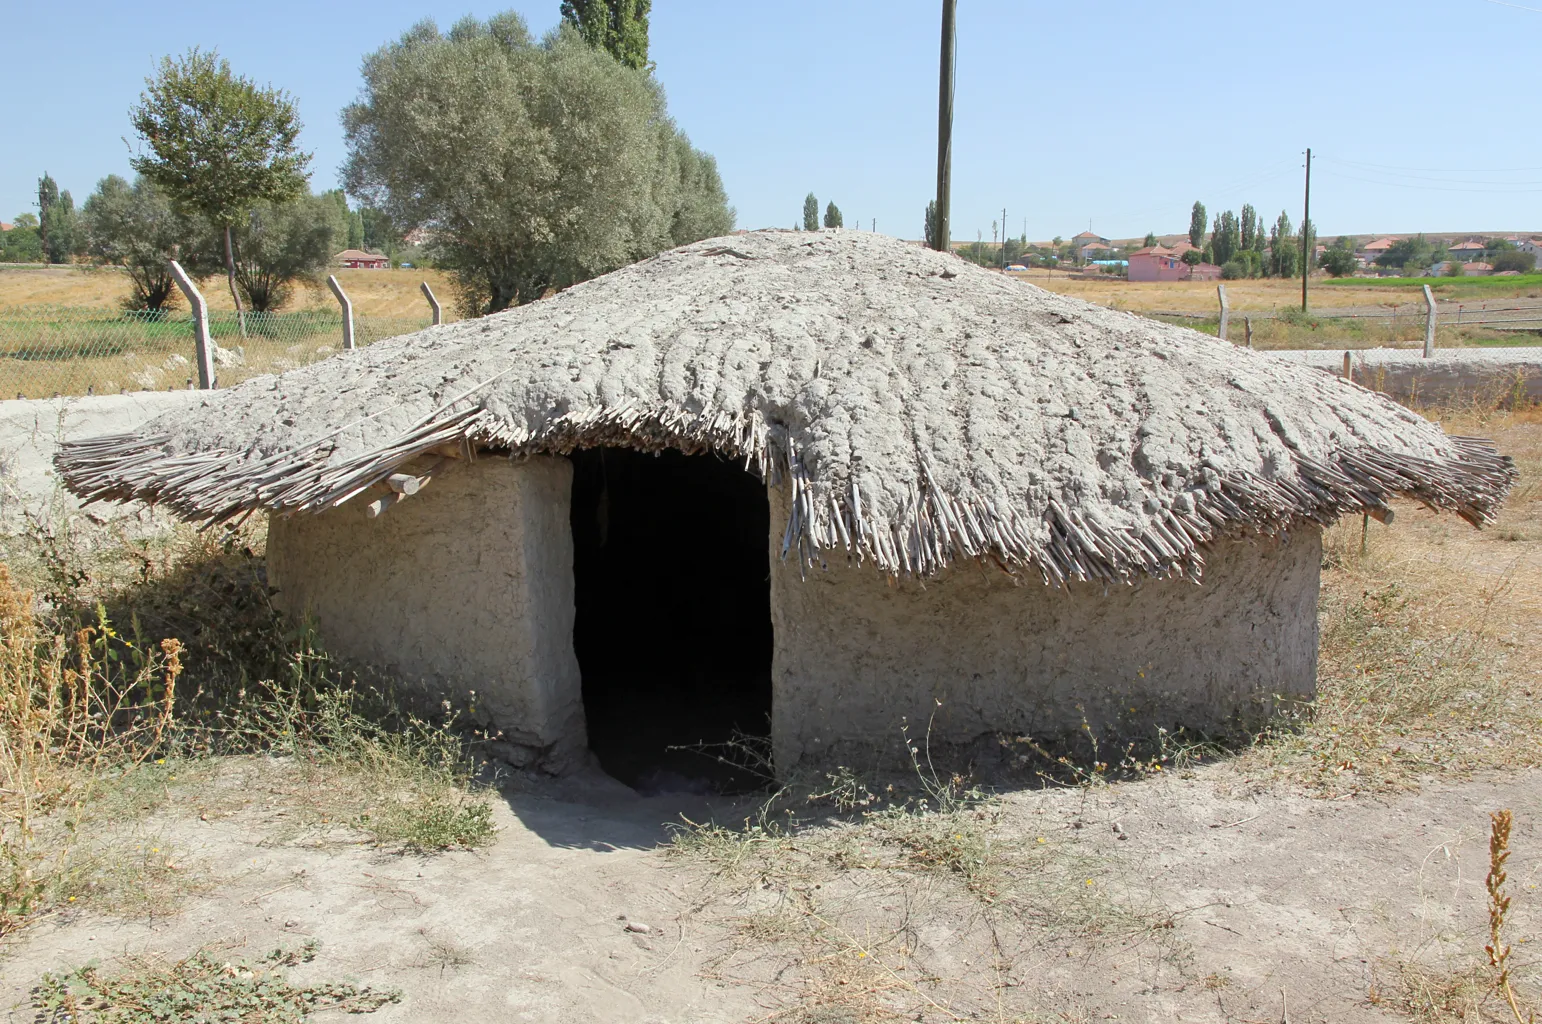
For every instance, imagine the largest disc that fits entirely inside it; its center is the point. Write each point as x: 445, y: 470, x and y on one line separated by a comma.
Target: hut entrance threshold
x: 673, y: 626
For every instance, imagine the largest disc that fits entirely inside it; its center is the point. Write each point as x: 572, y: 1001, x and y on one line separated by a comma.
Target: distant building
x: 1468, y: 250
x: 1088, y: 236
x: 1089, y: 251
x: 1532, y: 246
x: 6, y: 227
x: 1373, y: 250
x: 1159, y: 263
x: 357, y: 259
x: 1476, y: 269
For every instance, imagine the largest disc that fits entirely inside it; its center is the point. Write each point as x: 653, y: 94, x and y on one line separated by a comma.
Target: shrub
x: 1524, y: 262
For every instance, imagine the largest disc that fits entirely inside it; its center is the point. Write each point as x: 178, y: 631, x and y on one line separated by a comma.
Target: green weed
x: 200, y: 987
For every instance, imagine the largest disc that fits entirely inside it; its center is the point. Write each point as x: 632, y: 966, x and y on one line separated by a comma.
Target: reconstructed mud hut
x: 807, y: 485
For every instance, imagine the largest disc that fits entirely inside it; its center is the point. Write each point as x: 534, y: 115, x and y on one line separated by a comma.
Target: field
x: 373, y: 292
x: 264, y: 832
x: 1267, y: 294
x: 63, y: 329
x: 1528, y: 285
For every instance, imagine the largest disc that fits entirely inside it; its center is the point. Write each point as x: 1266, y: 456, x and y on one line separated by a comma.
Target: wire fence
x: 47, y: 351
x: 1494, y: 322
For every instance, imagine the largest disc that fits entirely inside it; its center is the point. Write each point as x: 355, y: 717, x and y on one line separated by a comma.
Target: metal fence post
x: 347, y: 304
x: 1429, y: 323
x: 433, y: 303
x: 1220, y: 290
x: 202, y: 346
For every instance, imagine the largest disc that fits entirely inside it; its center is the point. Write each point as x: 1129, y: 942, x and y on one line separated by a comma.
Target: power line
x: 1436, y: 188
x: 1518, y: 7
x: 1450, y: 170
x: 1397, y: 173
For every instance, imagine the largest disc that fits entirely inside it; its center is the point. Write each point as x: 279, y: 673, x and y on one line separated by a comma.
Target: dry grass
x: 374, y: 292
x: 1465, y: 988
x: 104, y: 731
x: 1249, y: 295
x: 834, y: 892
x: 1430, y: 657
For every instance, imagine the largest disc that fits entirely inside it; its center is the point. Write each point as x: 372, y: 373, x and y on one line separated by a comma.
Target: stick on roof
x: 922, y: 409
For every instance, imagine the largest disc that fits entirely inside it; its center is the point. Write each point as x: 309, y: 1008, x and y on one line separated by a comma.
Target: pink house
x: 1159, y: 263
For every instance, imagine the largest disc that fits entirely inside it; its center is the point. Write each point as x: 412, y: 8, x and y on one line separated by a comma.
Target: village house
x: 1159, y: 263
x: 1468, y: 251
x: 357, y: 259
x: 1374, y: 250
x: 1477, y: 269
x: 812, y: 488
x: 1093, y: 251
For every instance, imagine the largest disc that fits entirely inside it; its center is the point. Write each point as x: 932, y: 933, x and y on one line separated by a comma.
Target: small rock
x: 638, y: 927
x: 291, y: 923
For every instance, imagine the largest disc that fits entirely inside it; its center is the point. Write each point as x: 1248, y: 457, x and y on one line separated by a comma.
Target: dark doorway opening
x: 673, y: 627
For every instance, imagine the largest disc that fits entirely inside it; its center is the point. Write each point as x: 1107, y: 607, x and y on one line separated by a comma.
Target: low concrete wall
x: 30, y: 434
x: 857, y: 656
x: 1487, y: 375
x: 467, y: 586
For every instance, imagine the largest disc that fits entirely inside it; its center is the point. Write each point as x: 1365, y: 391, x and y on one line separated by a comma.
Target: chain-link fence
x: 47, y: 351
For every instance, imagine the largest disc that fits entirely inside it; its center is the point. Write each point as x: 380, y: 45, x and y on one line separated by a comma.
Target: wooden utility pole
x: 1003, y: 238
x: 945, y: 126
x: 1306, y: 225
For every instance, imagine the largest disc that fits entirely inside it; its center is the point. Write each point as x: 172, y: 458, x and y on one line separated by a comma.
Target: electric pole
x: 945, y: 126
x: 1306, y: 226
x: 1003, y: 238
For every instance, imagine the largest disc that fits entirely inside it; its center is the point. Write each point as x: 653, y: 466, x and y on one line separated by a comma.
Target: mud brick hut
x: 805, y: 485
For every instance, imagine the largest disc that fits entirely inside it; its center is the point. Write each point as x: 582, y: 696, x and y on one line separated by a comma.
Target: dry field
x: 1265, y: 294
x: 259, y: 831
x: 374, y: 292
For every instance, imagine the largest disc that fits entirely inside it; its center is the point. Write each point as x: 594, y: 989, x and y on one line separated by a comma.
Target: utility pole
x: 1003, y: 238
x: 945, y: 124
x: 1306, y: 226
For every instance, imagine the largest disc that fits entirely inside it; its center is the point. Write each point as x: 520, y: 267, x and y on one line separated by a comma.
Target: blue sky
x: 1118, y: 113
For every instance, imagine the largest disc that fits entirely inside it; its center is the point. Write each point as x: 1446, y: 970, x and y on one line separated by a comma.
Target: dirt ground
x: 1241, y: 905
x: 1335, y: 875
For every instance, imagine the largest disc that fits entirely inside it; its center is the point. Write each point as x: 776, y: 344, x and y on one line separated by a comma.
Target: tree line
x: 530, y: 164
x: 1244, y: 246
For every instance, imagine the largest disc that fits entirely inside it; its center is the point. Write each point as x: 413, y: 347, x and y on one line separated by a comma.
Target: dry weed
x: 1428, y: 645
x: 103, y: 729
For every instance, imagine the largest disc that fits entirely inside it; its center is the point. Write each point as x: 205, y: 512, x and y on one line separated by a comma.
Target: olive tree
x: 219, y: 144
x: 278, y: 244
x: 533, y: 165
x: 136, y: 227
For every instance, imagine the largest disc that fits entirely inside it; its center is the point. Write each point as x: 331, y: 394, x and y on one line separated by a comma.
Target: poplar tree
x: 47, y: 196
x: 619, y: 27
x: 810, y: 213
x: 1226, y: 240
x: 1250, y: 226
x: 1198, y: 222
